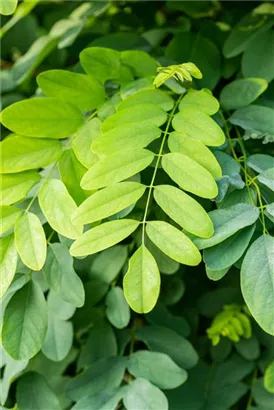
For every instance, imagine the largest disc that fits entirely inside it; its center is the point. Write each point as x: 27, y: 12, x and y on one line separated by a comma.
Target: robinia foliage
x: 119, y: 178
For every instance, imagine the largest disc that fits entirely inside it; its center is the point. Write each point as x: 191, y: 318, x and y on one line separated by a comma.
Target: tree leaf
x: 106, y: 400
x: 196, y: 150
x: 101, y: 63
x: 22, y: 153
x: 216, y: 274
x: 190, y: 175
x: 184, y: 210
x: 83, y: 91
x: 42, y: 118
x: 260, y: 162
x: 9, y: 215
x: 30, y: 241
x: 240, y: 93
x: 103, y: 236
x: 156, y: 97
x: 152, y: 365
x: 142, y: 281
x: 197, y: 125
x: 61, y: 309
x: 15, y: 187
x: 227, y: 222
x: 173, y: 243
x: 8, y: 262
x: 117, y: 312
x: 202, y: 100
x: 148, y: 114
x: 58, y: 206
x: 141, y: 63
x: 109, y: 263
x: 81, y: 144
x: 25, y: 322
x: 108, y: 201
x: 257, y: 279
x: 141, y: 394
x: 115, y: 168
x: 267, y: 178
x: 254, y: 118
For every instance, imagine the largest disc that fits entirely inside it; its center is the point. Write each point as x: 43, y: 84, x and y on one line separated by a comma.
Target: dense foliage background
x: 69, y: 338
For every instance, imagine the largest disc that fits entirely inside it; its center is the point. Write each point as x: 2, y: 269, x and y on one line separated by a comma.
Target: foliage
x: 137, y: 205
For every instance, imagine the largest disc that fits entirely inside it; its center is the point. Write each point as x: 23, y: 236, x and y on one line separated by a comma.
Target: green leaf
x: 58, y: 206
x: 83, y: 91
x: 197, y: 125
x: 226, y: 253
x: 8, y: 7
x: 257, y: 278
x: 148, y: 114
x: 103, y: 236
x: 142, y: 281
x: 190, y: 175
x: 58, y: 340
x: 227, y: 222
x: 116, y: 168
x: 269, y: 378
x: 109, y: 263
x: 267, y: 178
x: 60, y: 308
x: 11, y: 371
x: 8, y: 262
x: 130, y: 137
x: 261, y: 396
x: 81, y: 144
x: 269, y: 211
x: 42, y: 396
x: 145, y: 83
x: 30, y: 241
x: 108, y: 201
x: 256, y: 61
x: 22, y: 153
x: 9, y: 215
x: 101, y: 63
x: 216, y: 274
x: 117, y: 312
x: 161, y: 339
x: 196, y: 150
x: 141, y: 394
x: 184, y: 210
x: 61, y: 276
x: 106, y: 400
x: 140, y: 62
x: 156, y: 97
x: 254, y: 118
x: 173, y: 243
x: 104, y: 374
x: 202, y: 100
x: 249, y: 349
x: 260, y: 162
x: 165, y: 264
x: 42, y: 118
x: 240, y: 93
x: 25, y: 322
x: 15, y: 187
x: 152, y: 366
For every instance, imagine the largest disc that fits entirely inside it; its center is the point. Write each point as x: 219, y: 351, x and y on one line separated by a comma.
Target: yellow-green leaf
x: 157, y: 97
x: 8, y: 262
x: 8, y: 7
x: 15, y: 187
x: 81, y: 144
x: 203, y: 100
x: 9, y: 215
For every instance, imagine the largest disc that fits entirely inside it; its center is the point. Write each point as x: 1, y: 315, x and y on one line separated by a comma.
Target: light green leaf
x: 165, y: 264
x: 216, y: 274
x: 61, y: 276
x: 195, y: 149
x: 142, y: 395
x: 227, y: 222
x: 25, y: 322
x: 140, y: 62
x: 156, y: 97
x: 81, y: 144
x: 197, y: 125
x: 42, y: 397
x: 108, y: 201
x: 15, y: 187
x: 129, y: 136
x: 115, y: 168
x: 117, y: 311
x: 240, y: 93
x: 142, y: 281
x: 267, y: 178
x: 58, y: 340
x: 148, y: 114
x: 184, y: 210
x: 173, y: 243
x: 8, y: 7
x: 269, y: 378
x: 190, y: 175
x: 103, y: 236
x: 42, y: 118
x: 152, y: 366
x: 109, y: 263
x: 8, y: 262
x: 257, y: 280
x: 58, y: 207
x: 9, y: 215
x: 145, y: 83
x: 106, y: 400
x: 83, y: 91
x: 226, y: 253
x: 22, y: 153
x: 104, y: 374
x: 101, y: 63
x: 162, y: 339
x: 30, y: 241
x: 203, y: 100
